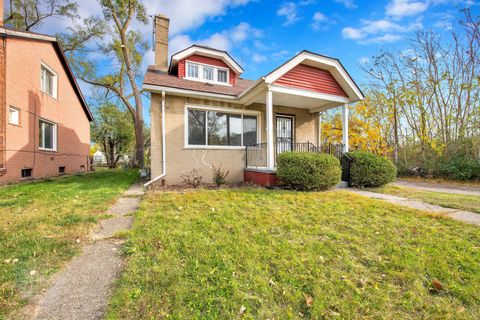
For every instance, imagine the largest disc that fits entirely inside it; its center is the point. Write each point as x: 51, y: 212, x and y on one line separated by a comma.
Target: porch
x: 257, y: 172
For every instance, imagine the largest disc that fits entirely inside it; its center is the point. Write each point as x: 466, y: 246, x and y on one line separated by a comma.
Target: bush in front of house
x: 308, y: 171
x: 370, y: 170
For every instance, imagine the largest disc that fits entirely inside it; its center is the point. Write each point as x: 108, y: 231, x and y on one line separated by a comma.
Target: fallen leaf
x: 308, y: 300
x: 242, y: 310
x: 437, y: 285
x: 33, y: 272
x: 7, y: 260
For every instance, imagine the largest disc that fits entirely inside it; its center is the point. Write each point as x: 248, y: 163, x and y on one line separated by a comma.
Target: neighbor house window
x: 26, y: 173
x: 48, y: 135
x: 201, y: 72
x: 14, y: 116
x: 49, y: 81
x: 218, y: 128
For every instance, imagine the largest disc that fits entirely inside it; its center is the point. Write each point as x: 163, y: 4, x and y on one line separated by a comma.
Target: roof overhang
x: 206, y: 52
x: 323, y: 62
x: 63, y: 59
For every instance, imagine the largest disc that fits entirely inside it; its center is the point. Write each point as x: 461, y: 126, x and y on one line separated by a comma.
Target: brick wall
x: 24, y: 61
x: 3, y: 108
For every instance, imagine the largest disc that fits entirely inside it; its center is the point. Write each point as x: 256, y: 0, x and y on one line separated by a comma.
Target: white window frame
x: 55, y: 135
x: 54, y: 81
x: 200, y: 73
x: 242, y: 112
x: 18, y: 116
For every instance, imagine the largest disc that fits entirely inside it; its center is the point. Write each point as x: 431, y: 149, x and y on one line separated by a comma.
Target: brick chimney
x: 161, y: 41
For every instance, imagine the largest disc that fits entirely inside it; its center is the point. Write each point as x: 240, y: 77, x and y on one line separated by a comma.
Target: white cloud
x: 321, y: 21
x: 224, y: 40
x: 257, y: 58
x: 363, y: 60
x: 405, y: 8
x: 382, y: 30
x: 289, y: 11
x: 187, y: 14
x: 349, y: 4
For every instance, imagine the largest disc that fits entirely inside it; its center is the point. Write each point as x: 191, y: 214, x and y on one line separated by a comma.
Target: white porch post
x: 270, y: 146
x: 345, y: 127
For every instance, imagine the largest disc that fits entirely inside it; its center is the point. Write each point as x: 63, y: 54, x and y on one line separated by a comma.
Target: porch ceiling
x: 283, y: 96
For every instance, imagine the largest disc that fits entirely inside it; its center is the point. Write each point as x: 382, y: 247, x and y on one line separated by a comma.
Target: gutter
x: 164, y: 158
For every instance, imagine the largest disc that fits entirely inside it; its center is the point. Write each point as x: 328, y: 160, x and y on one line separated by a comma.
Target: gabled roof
x: 8, y: 32
x: 206, y: 52
x: 324, y: 62
x: 156, y: 81
x: 155, y: 77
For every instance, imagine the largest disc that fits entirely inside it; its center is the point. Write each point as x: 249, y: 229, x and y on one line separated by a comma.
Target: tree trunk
x: 139, y: 140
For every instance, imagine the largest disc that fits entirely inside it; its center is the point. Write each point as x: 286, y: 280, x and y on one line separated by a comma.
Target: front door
x: 284, y: 134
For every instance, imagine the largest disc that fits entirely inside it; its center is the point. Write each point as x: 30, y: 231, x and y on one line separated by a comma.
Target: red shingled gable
x: 313, y: 79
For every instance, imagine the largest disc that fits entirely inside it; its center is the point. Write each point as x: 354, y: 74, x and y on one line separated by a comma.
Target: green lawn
x: 43, y: 224
x: 447, y: 200
x: 261, y: 254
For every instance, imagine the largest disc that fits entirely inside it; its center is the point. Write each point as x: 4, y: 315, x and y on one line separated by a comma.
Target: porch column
x: 345, y: 127
x: 270, y: 146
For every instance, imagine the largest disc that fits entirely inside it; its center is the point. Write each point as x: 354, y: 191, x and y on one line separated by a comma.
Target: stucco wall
x: 24, y: 58
x: 181, y: 160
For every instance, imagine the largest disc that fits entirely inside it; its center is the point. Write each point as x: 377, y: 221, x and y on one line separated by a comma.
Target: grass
x: 447, y: 200
x: 43, y: 224
x: 259, y: 254
x: 441, y: 181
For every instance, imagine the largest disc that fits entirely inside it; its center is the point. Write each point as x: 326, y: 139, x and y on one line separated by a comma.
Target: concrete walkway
x: 82, y: 289
x: 440, y: 187
x: 459, y: 215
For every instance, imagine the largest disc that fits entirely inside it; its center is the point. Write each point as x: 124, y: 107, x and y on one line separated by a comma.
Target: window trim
x: 54, y: 81
x: 242, y: 112
x: 19, y: 120
x: 55, y: 135
x: 200, y: 73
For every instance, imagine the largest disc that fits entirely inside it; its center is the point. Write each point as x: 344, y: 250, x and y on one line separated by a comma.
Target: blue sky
x: 262, y: 34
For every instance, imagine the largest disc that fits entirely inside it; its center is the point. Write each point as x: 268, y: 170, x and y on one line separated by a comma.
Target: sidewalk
x: 82, y: 289
x: 459, y: 215
x: 438, y: 187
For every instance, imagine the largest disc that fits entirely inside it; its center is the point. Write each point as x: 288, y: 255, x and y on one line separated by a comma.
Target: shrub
x: 219, y: 176
x: 308, y: 171
x: 460, y: 168
x: 192, y: 178
x: 370, y: 170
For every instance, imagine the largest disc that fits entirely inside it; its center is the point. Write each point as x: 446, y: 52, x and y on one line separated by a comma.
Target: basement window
x: 26, y: 173
x: 61, y: 171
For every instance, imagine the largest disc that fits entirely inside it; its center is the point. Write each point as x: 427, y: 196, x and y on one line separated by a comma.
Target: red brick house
x: 44, y: 119
x: 203, y: 114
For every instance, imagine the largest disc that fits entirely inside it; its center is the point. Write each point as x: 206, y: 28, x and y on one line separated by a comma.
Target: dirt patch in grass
x: 43, y: 224
x: 447, y: 200
x: 261, y: 254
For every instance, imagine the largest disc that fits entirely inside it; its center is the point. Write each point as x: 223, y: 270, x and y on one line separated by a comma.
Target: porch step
x: 342, y: 185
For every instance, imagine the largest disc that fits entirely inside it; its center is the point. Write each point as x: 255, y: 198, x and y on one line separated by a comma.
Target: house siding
x: 181, y: 160
x: 206, y: 60
x: 311, y: 78
x: 24, y: 59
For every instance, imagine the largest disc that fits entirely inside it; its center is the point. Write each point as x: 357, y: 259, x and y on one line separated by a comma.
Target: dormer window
x: 207, y: 73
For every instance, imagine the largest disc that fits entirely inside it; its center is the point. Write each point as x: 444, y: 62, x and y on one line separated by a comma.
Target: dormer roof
x: 206, y: 52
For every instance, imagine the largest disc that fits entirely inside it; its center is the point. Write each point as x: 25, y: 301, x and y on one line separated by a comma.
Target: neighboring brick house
x: 203, y: 114
x: 44, y: 119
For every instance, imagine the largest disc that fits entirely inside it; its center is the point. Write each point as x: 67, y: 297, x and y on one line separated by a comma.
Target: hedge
x: 370, y: 170
x: 308, y: 171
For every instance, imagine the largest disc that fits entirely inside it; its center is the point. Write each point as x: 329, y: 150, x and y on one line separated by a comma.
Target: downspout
x: 164, y: 158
